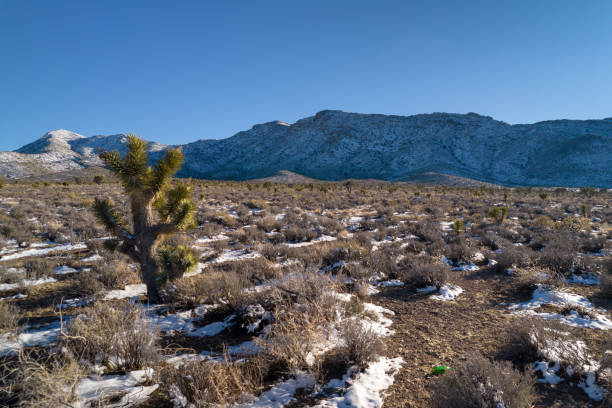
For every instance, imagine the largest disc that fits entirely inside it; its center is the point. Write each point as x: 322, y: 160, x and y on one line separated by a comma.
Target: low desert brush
x: 480, y: 382
x: 119, y: 337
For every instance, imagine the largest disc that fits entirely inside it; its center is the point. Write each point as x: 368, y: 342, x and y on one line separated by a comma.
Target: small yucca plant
x: 157, y: 210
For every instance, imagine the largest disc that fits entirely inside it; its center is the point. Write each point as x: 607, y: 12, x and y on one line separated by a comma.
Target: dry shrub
x: 297, y: 234
x: 559, y: 255
x: 9, y: 316
x: 40, y: 267
x: 209, y: 287
x: 33, y: 382
x: 420, y: 272
x: 361, y: 345
x: 459, y: 252
x: 114, y: 273
x: 305, y: 309
x: 208, y: 383
x: 356, y: 271
x: 254, y: 270
x: 527, y: 336
x: 514, y: 257
x: 480, y: 382
x: 119, y: 337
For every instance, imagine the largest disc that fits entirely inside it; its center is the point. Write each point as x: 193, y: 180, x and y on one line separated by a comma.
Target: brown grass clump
x: 118, y: 337
x: 209, y: 287
x: 480, y: 382
x: 304, y: 312
x: 9, y: 316
x: 207, y: 383
x: 34, y: 382
x: 361, y: 344
x: 419, y: 272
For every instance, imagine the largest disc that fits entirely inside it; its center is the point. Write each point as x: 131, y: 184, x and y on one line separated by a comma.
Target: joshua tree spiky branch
x: 148, y: 189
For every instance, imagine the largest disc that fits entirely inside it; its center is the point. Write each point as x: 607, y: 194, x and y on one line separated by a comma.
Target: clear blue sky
x: 178, y: 71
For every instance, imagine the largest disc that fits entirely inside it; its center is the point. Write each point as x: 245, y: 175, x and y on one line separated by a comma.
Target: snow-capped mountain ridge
x: 335, y: 145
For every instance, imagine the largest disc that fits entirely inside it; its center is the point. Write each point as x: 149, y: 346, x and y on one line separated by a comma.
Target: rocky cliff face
x: 334, y: 145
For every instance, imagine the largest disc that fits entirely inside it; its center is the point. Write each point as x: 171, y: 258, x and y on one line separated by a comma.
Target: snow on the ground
x: 42, y: 251
x: 11, y: 343
x: 17, y: 296
x: 185, y: 322
x: 93, y: 258
x: 448, y: 292
x: 548, y: 373
x: 64, y: 270
x: 428, y: 289
x: 213, y: 329
x: 382, y: 324
x: 590, y: 279
x: 556, y: 351
x: 247, y: 348
x: 561, y: 298
x: 589, y: 385
x: 460, y: 266
x: 366, y: 389
x: 26, y: 283
x: 126, y: 386
x: 76, y: 302
x: 391, y: 283
x: 282, y: 393
x: 235, y: 255
x: 130, y: 291
x: 322, y: 238
x: 215, y: 238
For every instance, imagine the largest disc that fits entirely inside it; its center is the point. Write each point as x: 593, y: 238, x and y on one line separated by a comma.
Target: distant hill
x: 334, y: 145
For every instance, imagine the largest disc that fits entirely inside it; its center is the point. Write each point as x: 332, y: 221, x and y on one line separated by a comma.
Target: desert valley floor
x: 323, y: 294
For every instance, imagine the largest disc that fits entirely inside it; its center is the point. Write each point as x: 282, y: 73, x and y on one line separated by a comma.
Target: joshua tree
x: 499, y: 214
x: 157, y: 210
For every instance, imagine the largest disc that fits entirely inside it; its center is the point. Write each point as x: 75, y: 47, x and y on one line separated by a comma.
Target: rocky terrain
x: 336, y: 145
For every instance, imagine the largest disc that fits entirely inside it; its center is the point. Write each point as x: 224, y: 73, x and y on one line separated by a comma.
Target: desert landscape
x: 305, y: 204
x: 309, y: 294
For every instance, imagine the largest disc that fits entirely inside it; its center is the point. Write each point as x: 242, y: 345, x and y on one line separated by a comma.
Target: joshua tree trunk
x: 149, y: 270
x: 146, y: 243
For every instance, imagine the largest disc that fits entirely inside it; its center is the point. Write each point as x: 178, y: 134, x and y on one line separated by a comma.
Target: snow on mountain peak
x: 56, y: 141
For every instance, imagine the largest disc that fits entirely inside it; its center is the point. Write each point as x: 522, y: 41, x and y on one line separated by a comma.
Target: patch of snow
x: 44, y: 336
x: 64, y: 270
x: 549, y: 373
x: 448, y: 292
x: 43, y: 251
x: 382, y: 324
x: 17, y: 296
x: 127, y: 386
x: 589, y: 279
x: 282, y: 393
x: 589, y: 385
x: 235, y: 255
x: 93, y: 258
x: 366, y: 389
x: 322, y: 238
x: 208, y: 240
x: 428, y: 289
x: 130, y: 291
x: 391, y: 283
x: 213, y: 329
x: 26, y: 283
x: 248, y: 348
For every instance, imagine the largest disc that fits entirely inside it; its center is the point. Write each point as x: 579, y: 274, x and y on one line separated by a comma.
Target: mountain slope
x: 335, y: 145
